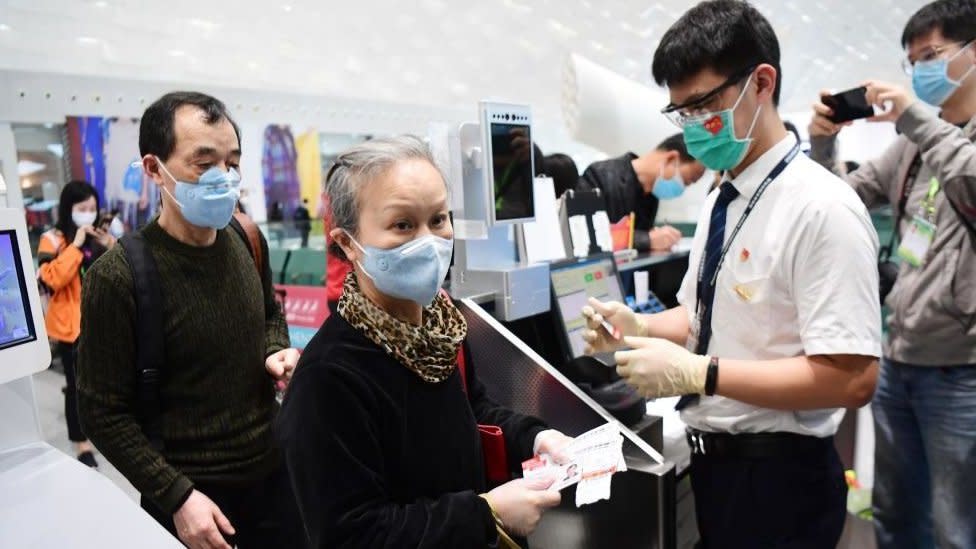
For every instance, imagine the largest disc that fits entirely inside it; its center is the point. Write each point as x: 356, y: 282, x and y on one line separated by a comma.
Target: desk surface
x: 648, y: 259
x: 41, y: 487
x: 676, y: 448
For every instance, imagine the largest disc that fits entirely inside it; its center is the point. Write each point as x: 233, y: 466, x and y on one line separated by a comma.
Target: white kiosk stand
x: 47, y: 499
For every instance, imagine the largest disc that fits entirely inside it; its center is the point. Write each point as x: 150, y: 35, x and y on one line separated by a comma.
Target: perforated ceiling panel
x: 440, y: 52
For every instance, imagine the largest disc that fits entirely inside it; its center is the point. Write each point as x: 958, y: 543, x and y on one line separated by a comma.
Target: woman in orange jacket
x: 64, y: 254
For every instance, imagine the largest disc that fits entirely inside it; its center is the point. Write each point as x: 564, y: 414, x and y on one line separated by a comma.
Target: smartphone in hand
x: 849, y: 105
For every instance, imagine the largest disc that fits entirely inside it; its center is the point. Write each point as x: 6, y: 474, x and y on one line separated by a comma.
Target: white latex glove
x: 281, y: 366
x: 199, y: 523
x: 520, y: 503
x: 627, y: 323
x: 660, y: 368
x: 552, y: 442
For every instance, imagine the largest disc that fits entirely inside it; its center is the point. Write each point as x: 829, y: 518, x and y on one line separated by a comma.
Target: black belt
x: 755, y: 445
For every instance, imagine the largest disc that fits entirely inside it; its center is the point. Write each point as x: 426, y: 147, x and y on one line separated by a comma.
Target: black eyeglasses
x: 680, y: 114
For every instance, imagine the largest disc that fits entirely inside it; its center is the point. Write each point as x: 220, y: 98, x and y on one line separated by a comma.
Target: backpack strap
x: 249, y: 232
x: 149, y: 335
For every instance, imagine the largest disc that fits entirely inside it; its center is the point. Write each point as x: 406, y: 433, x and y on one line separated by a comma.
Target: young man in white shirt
x: 778, y: 327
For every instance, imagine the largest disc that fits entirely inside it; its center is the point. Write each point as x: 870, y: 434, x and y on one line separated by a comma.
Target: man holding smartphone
x: 778, y: 327
x: 925, y: 404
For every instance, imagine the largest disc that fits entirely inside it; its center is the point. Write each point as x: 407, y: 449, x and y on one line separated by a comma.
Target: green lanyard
x: 928, y: 205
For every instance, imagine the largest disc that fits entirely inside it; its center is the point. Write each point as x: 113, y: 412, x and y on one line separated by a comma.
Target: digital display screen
x: 511, y: 160
x: 16, y: 321
x: 573, y: 285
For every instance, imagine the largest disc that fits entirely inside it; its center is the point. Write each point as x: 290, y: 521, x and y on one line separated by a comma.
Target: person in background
x: 215, y: 479
x: 378, y: 426
x: 277, y: 213
x: 925, y: 406
x: 303, y: 221
x: 778, y: 328
x: 563, y: 171
x: 64, y: 255
x: 637, y: 184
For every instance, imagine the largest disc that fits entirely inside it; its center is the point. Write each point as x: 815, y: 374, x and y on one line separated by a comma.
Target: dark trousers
x: 68, y: 352
x: 795, y: 502
x: 263, y: 513
x: 304, y: 233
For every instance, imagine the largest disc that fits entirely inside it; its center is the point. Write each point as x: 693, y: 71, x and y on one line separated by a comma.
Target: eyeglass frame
x: 908, y: 66
x: 736, y: 78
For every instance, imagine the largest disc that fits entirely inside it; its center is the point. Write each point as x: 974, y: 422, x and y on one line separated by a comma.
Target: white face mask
x: 116, y: 228
x: 81, y: 219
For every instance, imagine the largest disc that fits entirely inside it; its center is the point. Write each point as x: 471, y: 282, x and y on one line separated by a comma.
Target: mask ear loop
x: 972, y: 67
x: 159, y: 162
x: 359, y: 263
x: 755, y: 117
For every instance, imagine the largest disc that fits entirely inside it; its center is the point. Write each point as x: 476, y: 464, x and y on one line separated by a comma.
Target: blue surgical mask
x: 711, y: 138
x: 413, y: 271
x: 666, y: 188
x: 211, y: 201
x: 931, y: 82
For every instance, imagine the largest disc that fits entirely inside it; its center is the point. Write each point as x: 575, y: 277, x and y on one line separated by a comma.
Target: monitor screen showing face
x: 16, y: 321
x: 511, y: 159
x: 573, y: 285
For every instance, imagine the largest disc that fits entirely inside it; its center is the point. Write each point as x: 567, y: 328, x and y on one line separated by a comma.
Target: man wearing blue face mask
x: 778, y: 324
x: 196, y: 442
x: 925, y: 406
x: 637, y: 184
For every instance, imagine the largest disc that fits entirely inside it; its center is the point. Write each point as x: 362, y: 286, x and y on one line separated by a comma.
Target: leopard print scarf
x: 429, y: 350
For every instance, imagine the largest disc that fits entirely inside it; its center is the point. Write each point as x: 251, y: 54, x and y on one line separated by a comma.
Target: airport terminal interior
x: 554, y: 274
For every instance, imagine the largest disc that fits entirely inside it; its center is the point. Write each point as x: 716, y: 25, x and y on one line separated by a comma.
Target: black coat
x: 618, y: 182
x: 380, y: 458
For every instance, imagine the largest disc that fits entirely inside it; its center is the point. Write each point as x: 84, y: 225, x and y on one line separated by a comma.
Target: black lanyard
x: 778, y: 169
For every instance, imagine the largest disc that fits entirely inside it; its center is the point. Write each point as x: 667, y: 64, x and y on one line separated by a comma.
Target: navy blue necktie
x: 706, y: 291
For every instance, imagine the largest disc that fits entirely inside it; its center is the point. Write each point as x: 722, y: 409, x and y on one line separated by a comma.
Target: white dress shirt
x: 800, y: 278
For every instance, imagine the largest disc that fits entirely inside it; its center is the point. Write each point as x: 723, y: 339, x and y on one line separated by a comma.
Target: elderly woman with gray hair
x: 378, y: 428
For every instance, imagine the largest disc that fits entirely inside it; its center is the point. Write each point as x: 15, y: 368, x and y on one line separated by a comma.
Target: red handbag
x: 493, y: 447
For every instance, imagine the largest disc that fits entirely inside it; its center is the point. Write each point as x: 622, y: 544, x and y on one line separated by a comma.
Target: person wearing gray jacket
x: 925, y: 403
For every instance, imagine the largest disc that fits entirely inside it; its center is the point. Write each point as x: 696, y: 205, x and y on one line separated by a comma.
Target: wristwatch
x: 711, y: 376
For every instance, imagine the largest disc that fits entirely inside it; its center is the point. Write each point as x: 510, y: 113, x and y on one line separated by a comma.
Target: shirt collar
x: 749, y: 180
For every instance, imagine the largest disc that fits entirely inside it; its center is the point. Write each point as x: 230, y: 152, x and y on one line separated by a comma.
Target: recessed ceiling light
x: 286, y: 7
x: 87, y: 40
x: 101, y: 4
x: 4, y: 27
x: 177, y: 53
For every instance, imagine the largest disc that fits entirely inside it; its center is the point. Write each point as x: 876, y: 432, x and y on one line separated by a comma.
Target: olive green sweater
x: 218, y: 402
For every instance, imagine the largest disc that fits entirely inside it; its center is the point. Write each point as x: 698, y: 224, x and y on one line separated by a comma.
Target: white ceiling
x: 440, y: 52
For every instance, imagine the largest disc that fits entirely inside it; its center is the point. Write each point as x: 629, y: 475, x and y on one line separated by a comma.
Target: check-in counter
x: 644, y: 510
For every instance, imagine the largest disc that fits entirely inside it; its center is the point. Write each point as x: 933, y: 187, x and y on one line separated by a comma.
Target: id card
x: 564, y: 475
x: 915, y: 244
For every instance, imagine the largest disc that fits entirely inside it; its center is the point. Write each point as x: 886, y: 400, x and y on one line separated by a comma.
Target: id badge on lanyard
x: 918, y: 239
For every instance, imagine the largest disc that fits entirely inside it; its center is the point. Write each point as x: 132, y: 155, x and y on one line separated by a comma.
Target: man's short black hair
x: 727, y: 36
x: 563, y: 171
x: 676, y: 143
x: 956, y: 19
x: 156, y: 133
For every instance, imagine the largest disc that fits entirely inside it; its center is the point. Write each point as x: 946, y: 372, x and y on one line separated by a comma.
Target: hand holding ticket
x: 594, y: 457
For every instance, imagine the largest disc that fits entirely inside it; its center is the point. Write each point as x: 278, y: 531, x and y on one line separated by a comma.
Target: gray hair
x: 360, y: 165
